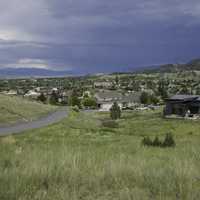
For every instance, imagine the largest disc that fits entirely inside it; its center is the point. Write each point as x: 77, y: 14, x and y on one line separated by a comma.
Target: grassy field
x: 83, y: 158
x: 13, y: 109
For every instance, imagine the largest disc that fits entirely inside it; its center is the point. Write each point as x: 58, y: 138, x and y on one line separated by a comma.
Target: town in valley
x: 145, y: 90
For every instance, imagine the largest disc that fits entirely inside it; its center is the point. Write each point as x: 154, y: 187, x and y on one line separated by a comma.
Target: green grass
x: 13, y: 109
x: 80, y: 158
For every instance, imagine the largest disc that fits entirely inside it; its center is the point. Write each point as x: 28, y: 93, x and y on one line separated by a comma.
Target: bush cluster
x: 75, y: 108
x: 167, y: 142
x: 147, y: 98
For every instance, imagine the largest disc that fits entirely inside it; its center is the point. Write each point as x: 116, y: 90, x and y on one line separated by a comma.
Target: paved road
x: 42, y: 122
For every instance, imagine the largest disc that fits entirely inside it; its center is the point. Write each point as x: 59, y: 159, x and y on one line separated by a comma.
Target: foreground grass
x: 82, y: 159
x: 13, y: 109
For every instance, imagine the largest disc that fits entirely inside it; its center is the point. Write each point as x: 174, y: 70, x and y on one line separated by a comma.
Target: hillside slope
x: 84, y: 158
x: 13, y: 109
x: 193, y: 65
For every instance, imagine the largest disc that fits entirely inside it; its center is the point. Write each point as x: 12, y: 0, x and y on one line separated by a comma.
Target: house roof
x: 32, y: 93
x: 11, y: 92
x: 134, y: 97
x: 111, y: 96
x: 108, y: 94
x: 185, y: 98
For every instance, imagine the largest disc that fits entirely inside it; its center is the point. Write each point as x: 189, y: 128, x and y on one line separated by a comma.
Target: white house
x: 12, y: 93
x: 32, y: 94
x: 103, y: 84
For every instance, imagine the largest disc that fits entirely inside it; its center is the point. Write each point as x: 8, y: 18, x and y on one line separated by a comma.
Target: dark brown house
x: 183, y: 105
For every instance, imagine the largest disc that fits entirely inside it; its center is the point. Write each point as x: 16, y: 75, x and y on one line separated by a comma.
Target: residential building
x: 183, y: 106
x: 106, y: 98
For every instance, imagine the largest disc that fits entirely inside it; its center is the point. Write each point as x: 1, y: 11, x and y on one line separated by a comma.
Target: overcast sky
x: 98, y: 35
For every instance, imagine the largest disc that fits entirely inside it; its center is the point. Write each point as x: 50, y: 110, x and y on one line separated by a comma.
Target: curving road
x: 42, y: 122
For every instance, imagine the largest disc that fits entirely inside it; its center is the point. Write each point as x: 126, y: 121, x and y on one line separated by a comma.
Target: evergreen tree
x: 162, y: 90
x: 154, y: 99
x: 42, y: 98
x: 74, y: 100
x: 115, y: 111
x: 117, y: 80
x: 53, y: 98
x: 144, y: 98
x: 89, y: 102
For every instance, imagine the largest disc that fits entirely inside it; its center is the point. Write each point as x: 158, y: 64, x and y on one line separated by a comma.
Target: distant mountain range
x: 35, y: 72
x: 32, y: 72
x: 193, y: 65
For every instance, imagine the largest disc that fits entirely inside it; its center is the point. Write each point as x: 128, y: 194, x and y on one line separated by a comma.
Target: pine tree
x: 42, y: 98
x: 144, y: 98
x: 115, y: 111
x: 53, y: 98
x: 74, y: 100
x: 162, y: 89
x: 117, y: 80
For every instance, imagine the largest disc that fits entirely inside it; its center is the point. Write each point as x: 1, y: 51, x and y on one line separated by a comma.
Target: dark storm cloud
x: 93, y: 35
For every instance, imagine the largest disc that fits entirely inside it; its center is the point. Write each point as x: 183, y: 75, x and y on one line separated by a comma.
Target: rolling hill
x: 193, y: 65
x: 13, y: 109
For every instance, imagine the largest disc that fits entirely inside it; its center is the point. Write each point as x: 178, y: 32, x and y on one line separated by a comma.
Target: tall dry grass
x: 74, y: 160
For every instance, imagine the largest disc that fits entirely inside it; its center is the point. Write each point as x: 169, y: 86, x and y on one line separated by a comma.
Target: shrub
x: 157, y: 142
x: 89, y: 102
x: 190, y: 133
x: 75, y: 108
x: 154, y: 99
x: 168, y: 141
x: 6, y: 164
x: 146, y: 141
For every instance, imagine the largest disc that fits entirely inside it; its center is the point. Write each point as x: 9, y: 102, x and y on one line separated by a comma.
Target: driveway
x: 42, y: 122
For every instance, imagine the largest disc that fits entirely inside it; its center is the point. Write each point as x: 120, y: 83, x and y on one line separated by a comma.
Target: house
x: 12, y: 93
x: 183, y: 106
x: 37, y: 89
x: 64, y: 97
x: 54, y: 90
x: 32, y: 94
x: 106, y: 98
x: 103, y: 84
x: 131, y: 100
x: 86, y: 93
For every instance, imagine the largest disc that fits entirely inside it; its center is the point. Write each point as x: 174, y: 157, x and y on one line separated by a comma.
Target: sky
x: 98, y: 35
